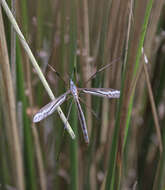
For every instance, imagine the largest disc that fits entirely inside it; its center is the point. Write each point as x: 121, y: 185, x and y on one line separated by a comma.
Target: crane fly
x: 52, y: 106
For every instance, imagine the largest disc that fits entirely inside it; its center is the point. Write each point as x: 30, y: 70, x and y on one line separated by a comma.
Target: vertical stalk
x: 73, y: 48
x: 11, y: 108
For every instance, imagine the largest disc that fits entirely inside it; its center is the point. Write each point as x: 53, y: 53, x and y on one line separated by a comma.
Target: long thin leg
x: 102, y: 69
x: 57, y: 73
x: 82, y: 121
x: 69, y: 110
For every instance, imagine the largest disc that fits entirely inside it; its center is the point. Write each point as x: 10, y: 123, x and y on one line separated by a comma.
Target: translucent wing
x: 82, y: 121
x: 103, y: 92
x: 49, y: 108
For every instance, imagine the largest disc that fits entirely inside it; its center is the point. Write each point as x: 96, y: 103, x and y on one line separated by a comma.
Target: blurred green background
x: 126, y: 149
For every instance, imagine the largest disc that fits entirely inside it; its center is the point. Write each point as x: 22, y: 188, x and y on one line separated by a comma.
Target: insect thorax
x: 73, y: 89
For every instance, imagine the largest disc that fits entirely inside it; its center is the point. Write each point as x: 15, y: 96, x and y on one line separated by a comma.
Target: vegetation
x: 76, y: 39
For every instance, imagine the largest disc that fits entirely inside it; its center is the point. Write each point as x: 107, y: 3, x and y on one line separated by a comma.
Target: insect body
x: 81, y: 116
x: 52, y: 106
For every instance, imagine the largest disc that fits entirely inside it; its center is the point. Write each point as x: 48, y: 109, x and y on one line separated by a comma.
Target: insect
x: 52, y: 106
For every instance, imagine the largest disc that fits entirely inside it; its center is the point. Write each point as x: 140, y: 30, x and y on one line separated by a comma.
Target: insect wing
x: 103, y: 92
x: 82, y: 121
x: 49, y: 108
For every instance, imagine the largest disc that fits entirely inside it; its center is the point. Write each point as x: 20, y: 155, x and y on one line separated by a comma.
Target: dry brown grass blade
x: 128, y: 30
x: 13, y: 47
x: 128, y: 88
x: 151, y: 32
x: 7, y: 79
x: 114, y: 47
x: 152, y: 27
x: 86, y: 64
x: 40, y: 164
x: 154, y: 112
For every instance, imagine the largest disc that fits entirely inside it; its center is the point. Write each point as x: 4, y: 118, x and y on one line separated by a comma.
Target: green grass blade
x: 28, y: 143
x: 110, y: 184
x: 138, y: 56
x: 73, y: 62
x: 33, y: 61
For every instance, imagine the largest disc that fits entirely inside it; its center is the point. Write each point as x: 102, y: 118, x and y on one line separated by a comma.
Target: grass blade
x: 38, y: 70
